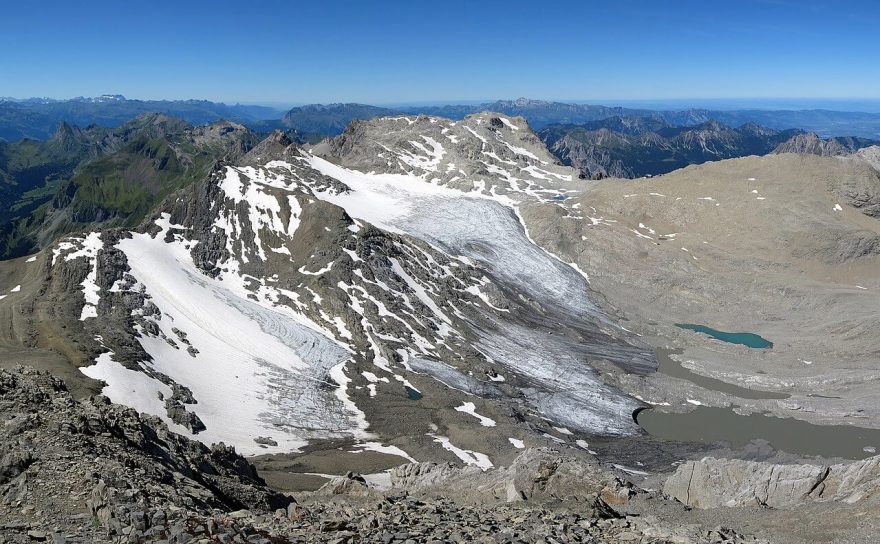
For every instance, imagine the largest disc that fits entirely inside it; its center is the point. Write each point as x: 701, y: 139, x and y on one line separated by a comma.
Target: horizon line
x: 462, y: 102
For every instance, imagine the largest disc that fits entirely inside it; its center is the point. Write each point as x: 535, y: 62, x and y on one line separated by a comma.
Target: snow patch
x: 470, y: 408
x: 378, y: 447
x: 469, y: 457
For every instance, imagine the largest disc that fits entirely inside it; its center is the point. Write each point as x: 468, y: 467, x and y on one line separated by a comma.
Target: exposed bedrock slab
x: 711, y: 482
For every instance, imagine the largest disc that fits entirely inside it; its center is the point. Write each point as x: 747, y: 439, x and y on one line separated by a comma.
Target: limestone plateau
x: 433, y: 330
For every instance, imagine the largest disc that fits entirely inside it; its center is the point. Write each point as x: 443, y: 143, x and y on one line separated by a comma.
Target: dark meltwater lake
x: 412, y: 393
x: 709, y: 425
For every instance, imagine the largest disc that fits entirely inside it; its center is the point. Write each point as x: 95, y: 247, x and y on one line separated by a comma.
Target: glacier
x: 259, y: 368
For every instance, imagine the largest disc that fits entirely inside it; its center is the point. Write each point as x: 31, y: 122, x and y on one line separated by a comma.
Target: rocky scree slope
x: 91, y: 471
x: 86, y: 470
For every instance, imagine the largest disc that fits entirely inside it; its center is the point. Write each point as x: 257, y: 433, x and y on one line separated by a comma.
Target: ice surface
x: 386, y: 449
x: 489, y: 231
x: 479, y: 228
x: 451, y: 377
x: 139, y: 390
x: 258, y: 371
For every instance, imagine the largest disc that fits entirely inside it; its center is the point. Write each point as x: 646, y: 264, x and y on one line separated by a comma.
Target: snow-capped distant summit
x: 102, y: 99
x: 108, y: 98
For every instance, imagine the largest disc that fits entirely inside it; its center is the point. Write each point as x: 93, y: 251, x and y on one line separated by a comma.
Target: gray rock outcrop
x: 537, y: 473
x: 711, y: 482
x: 810, y: 143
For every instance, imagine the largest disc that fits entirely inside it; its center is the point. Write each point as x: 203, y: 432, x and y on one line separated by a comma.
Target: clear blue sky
x: 442, y: 50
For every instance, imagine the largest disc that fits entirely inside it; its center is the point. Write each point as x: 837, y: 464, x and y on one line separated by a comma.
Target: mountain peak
x: 811, y: 144
x: 67, y: 132
x: 522, y: 101
x: 712, y: 125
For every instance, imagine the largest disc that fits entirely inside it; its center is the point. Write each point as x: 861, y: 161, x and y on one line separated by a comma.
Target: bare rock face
x: 275, y: 147
x: 711, y: 483
x: 871, y: 155
x: 538, y: 473
x: 862, y: 190
x: 350, y: 484
x: 811, y: 143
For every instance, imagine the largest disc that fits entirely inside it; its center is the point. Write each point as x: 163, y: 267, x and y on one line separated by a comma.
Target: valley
x: 798, y: 278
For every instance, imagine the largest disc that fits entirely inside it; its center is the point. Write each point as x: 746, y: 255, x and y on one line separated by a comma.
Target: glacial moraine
x: 675, y: 369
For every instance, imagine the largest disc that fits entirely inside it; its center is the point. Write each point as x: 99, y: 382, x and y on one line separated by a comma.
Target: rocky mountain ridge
x: 635, y: 147
x: 277, y: 243
x: 103, y: 176
x: 810, y: 143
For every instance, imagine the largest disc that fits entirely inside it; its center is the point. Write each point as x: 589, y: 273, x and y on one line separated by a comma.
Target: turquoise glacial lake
x: 744, y: 338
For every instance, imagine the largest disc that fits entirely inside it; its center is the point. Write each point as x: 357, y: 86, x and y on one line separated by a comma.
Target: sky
x: 412, y: 51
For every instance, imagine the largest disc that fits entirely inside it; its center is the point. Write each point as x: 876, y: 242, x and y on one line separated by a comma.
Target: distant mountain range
x: 318, y: 121
x: 315, y: 122
x: 540, y: 113
x: 122, y: 163
x: 37, y: 118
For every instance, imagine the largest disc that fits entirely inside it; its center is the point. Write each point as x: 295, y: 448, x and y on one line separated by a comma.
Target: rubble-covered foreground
x: 92, y: 471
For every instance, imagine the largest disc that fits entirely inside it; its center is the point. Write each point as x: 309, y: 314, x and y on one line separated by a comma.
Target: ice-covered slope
x: 298, y: 298
x: 248, y: 366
